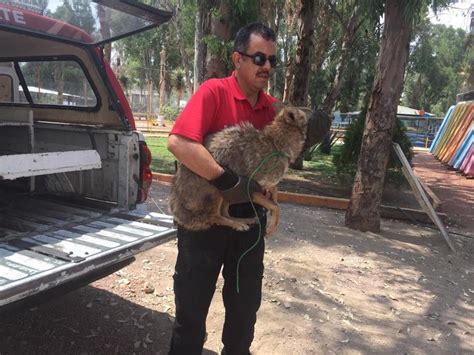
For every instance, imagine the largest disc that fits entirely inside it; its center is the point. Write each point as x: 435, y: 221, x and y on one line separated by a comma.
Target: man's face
x: 256, y: 77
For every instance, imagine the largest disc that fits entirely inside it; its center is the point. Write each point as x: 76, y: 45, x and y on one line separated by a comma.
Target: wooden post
x: 421, y: 195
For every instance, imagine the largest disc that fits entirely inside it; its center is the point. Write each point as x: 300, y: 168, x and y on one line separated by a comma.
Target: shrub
x: 170, y: 113
x: 346, y: 159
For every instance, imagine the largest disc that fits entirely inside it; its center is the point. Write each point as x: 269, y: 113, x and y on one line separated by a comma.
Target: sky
x: 456, y: 15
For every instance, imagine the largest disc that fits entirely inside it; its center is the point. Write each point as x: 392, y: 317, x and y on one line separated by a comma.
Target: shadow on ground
x: 87, y: 321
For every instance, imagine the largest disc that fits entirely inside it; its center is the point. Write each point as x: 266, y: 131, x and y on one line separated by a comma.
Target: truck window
x: 49, y: 82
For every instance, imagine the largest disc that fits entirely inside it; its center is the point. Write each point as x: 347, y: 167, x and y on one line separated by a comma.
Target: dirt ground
x: 454, y: 190
x: 327, y: 290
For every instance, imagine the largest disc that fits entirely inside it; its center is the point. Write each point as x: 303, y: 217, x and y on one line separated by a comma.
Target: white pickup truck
x: 74, y: 172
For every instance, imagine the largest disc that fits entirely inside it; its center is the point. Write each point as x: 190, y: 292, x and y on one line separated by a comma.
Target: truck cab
x: 74, y: 171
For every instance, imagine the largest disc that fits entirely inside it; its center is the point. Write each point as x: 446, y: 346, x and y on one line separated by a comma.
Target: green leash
x: 277, y: 154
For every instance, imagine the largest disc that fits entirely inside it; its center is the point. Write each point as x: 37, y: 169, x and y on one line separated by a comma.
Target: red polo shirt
x: 219, y: 103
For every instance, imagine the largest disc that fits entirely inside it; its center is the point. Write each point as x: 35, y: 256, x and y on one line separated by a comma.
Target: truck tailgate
x: 65, y: 242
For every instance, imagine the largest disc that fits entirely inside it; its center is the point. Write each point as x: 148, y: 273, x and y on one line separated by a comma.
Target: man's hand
x: 234, y: 188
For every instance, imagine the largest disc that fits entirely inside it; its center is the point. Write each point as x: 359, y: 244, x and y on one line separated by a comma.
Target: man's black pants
x: 200, y: 258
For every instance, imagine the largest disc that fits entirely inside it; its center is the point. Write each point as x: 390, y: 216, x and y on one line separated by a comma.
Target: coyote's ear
x: 278, y: 106
x: 290, y: 116
x: 307, y: 111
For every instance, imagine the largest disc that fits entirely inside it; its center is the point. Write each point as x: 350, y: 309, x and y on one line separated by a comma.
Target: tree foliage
x: 440, y: 58
x: 436, y: 68
x: 438, y: 83
x: 346, y: 159
x: 77, y: 13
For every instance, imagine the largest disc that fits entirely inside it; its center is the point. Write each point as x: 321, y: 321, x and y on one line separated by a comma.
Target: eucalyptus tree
x: 353, y: 39
x: 270, y: 12
x: 298, y: 94
x: 323, y: 33
x: 299, y: 88
x: 288, y: 39
x: 219, y: 41
x: 363, y: 212
x: 104, y: 16
x: 140, y: 54
x: 468, y: 83
x: 347, y: 17
x: 350, y: 19
x: 226, y: 18
x: 437, y: 68
x: 359, y: 75
x: 41, y: 5
x: 184, y: 26
x: 178, y: 82
x: 326, y: 53
x: 202, y: 30
x: 77, y: 13
x: 161, y: 87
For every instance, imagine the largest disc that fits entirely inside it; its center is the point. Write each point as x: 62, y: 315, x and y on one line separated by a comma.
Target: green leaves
x: 436, y: 68
x: 346, y: 158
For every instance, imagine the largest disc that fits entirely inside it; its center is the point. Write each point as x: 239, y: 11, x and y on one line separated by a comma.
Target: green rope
x: 277, y: 154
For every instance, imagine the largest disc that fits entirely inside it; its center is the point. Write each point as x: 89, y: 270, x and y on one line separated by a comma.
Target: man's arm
x: 194, y: 156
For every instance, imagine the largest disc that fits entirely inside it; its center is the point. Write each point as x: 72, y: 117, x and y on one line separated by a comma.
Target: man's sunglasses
x: 260, y: 59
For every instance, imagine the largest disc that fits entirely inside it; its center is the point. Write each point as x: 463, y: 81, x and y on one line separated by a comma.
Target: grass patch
x: 321, y: 165
x: 321, y: 169
x: 162, y: 160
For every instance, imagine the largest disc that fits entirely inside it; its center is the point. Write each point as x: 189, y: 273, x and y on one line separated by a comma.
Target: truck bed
x: 45, y: 242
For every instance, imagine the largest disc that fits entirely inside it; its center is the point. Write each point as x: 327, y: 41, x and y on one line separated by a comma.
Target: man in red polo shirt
x: 216, y: 104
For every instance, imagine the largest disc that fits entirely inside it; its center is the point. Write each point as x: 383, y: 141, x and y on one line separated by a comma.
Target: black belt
x: 245, y: 210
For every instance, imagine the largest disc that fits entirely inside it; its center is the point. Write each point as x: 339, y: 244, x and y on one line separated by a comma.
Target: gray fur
x: 195, y: 203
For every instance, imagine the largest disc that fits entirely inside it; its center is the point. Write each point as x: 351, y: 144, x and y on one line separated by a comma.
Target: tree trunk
x: 278, y: 18
x: 220, y: 29
x: 347, y: 44
x: 348, y: 39
x: 162, y: 87
x: 39, y: 83
x: 271, y: 12
x: 267, y: 12
x: 299, y: 89
x: 85, y: 86
x: 364, y: 207
x: 291, y: 17
x: 179, y: 94
x: 321, y: 47
x: 288, y: 80
x: 59, y: 81
x: 150, y: 99
x: 104, y: 21
x: 200, y: 47
x: 182, y: 49
x: 470, y: 80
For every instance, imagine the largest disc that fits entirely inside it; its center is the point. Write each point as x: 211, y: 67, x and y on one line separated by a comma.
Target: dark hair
x: 242, y: 38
